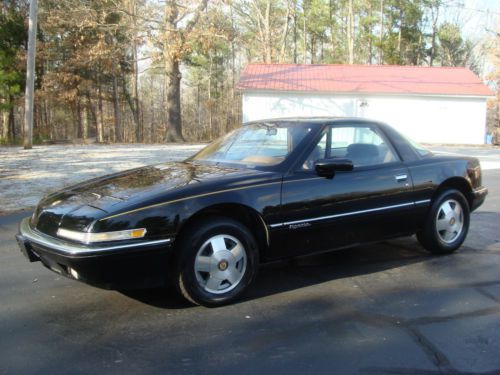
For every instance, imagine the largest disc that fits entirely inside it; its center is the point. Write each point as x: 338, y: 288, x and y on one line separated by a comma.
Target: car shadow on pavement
x: 302, y: 272
x: 165, y: 298
x: 351, y: 262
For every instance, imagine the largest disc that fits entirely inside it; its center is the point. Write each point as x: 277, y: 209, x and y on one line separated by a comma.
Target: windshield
x: 258, y: 144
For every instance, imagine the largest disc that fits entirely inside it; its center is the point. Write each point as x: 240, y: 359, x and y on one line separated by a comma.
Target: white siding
x: 426, y: 119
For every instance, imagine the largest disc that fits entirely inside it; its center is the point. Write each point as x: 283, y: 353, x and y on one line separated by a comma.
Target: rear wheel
x: 447, y: 223
x: 218, y: 259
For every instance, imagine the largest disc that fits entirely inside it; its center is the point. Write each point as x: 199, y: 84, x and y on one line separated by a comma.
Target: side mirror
x: 328, y: 167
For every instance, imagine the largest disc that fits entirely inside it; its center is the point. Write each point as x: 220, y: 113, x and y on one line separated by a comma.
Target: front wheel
x: 218, y: 259
x: 447, y: 223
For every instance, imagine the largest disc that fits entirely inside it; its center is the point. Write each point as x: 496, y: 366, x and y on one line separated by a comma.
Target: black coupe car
x: 269, y: 190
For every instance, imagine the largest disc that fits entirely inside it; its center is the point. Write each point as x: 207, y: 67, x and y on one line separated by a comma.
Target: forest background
x: 166, y: 71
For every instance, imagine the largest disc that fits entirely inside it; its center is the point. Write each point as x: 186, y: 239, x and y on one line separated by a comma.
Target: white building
x: 429, y: 104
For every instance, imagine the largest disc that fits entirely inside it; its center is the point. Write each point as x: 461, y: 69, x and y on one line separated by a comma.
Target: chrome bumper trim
x: 68, y: 248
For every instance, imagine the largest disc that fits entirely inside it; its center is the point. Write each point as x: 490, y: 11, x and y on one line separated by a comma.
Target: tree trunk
x: 350, y: 32
x: 5, y: 123
x: 85, y: 123
x: 133, y: 104
x: 173, y: 101
x: 233, y: 77
x: 30, y: 76
x: 73, y: 131
x: 435, y: 16
x: 313, y: 47
x: 267, y: 33
x: 370, y: 31
x: 233, y: 64
x: 209, y: 94
x: 51, y: 125
x: 198, y: 108
x: 174, y: 48
x: 79, y: 128
x: 136, y: 109
x: 285, y: 34
x: 295, y: 33
x: 92, y: 112
x: 117, y: 113
x: 381, y: 36
x: 333, y: 28
x: 36, y: 119
x: 400, y: 31
x: 47, y: 119
x: 99, y: 126
x: 305, y: 38
x: 419, y: 52
x: 12, y: 121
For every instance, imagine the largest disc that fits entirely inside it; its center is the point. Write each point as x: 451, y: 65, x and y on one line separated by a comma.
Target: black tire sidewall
x: 190, y: 246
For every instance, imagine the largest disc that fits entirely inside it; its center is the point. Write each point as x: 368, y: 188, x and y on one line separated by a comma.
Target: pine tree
x: 13, y: 35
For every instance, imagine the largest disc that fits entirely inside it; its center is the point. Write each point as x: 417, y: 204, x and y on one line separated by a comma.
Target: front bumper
x: 135, y: 264
x: 478, y: 197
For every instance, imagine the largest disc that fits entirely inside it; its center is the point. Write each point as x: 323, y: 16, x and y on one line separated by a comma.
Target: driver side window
x: 360, y: 144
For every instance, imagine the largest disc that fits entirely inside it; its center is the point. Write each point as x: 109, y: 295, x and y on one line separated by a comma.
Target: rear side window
x: 421, y: 150
x: 407, y: 149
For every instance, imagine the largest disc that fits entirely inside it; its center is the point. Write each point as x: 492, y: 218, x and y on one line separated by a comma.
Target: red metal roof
x: 381, y: 79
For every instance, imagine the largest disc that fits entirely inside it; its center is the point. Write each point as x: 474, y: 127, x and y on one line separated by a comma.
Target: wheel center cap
x: 452, y: 221
x: 223, y: 264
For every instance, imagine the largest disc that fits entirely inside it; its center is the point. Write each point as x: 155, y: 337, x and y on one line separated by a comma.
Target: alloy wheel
x: 220, y: 264
x: 449, y: 220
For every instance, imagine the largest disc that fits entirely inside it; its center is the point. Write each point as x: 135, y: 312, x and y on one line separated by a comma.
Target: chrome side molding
x: 293, y: 223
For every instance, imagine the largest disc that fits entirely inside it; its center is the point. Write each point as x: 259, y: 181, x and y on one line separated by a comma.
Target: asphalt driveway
x: 381, y: 309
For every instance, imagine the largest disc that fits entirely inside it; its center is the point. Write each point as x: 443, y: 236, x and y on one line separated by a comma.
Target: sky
x: 476, y: 16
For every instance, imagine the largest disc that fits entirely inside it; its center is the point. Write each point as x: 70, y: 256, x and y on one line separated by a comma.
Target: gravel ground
x: 28, y: 175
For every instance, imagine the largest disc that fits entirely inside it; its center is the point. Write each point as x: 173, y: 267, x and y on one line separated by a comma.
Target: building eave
x: 363, y: 94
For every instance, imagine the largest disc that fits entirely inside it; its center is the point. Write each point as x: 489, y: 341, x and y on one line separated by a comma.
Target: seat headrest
x: 362, y: 149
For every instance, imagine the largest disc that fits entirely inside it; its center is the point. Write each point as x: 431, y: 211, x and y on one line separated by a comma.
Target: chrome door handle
x: 401, y: 177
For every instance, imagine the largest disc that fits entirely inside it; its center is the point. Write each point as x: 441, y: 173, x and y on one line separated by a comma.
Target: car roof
x: 311, y: 120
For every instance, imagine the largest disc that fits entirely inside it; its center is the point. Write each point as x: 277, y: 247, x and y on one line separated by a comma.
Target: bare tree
x: 175, y: 37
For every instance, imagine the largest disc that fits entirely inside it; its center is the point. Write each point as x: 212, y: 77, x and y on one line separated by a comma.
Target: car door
x: 371, y: 202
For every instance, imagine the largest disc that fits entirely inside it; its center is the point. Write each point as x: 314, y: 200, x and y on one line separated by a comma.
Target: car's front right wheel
x: 217, y: 260
x: 447, y: 223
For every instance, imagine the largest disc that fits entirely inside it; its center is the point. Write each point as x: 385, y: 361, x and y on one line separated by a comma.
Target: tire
x: 218, y: 259
x: 447, y: 223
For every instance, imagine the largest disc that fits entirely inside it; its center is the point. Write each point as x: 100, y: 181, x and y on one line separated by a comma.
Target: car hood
x: 78, y: 206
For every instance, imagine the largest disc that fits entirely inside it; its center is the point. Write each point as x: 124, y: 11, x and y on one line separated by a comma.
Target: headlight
x: 101, y: 237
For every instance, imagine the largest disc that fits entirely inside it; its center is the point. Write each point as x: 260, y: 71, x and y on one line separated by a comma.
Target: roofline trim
x: 363, y: 93
x: 315, y: 119
x: 364, y: 66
